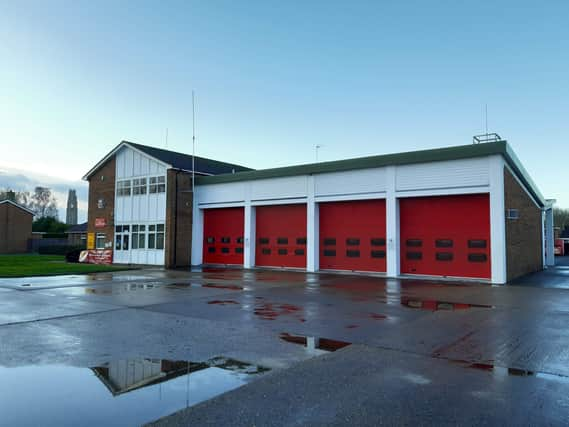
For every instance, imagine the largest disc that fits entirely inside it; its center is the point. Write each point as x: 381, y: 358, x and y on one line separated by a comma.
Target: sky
x: 274, y: 79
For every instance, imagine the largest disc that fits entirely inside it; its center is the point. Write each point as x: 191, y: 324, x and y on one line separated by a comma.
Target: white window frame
x: 157, y: 184
x: 123, y: 188
x: 138, y: 186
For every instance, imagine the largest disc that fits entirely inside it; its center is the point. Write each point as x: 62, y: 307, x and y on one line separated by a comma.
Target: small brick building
x: 15, y: 227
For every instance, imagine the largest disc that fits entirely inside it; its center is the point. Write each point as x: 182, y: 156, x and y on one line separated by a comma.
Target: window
x: 352, y: 241
x: 414, y: 255
x: 512, y: 214
x: 443, y: 243
x: 160, y: 236
x: 477, y: 243
x: 139, y: 236
x: 301, y: 240
x: 378, y: 241
x: 157, y: 184
x: 139, y: 186
x: 151, y: 236
x: 226, y: 240
x: 100, y: 240
x: 329, y: 241
x: 156, y: 236
x: 123, y: 188
x: 415, y: 243
x: 283, y: 251
x: 329, y: 252
x: 263, y: 240
x: 282, y: 240
x: 351, y: 253
x: 378, y: 254
x: 444, y: 256
x: 477, y: 257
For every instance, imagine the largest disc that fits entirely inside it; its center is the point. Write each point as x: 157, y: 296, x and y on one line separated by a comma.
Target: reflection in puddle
x: 431, y: 305
x: 123, y: 392
x: 314, y: 343
x: 500, y: 371
x: 223, y: 302
x: 122, y: 289
x: 230, y: 287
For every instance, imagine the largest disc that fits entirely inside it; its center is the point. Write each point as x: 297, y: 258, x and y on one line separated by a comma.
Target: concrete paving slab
x: 365, y: 386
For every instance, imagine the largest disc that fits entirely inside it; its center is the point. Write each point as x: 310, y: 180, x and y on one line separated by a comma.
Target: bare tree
x: 561, y: 217
x: 43, y: 203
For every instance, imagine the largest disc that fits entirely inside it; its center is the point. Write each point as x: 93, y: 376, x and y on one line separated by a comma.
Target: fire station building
x: 468, y: 212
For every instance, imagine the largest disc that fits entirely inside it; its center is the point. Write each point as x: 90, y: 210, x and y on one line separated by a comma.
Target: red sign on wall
x: 99, y: 256
x: 100, y: 222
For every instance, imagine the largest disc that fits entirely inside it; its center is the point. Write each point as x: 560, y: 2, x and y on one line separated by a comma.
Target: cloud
x: 21, y: 180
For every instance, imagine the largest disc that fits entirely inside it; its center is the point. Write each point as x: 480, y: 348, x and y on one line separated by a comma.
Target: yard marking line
x: 67, y: 316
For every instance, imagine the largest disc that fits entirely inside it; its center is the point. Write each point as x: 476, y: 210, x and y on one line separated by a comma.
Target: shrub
x: 57, y: 249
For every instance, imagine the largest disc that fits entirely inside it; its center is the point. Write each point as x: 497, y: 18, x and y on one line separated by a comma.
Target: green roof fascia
x: 411, y: 157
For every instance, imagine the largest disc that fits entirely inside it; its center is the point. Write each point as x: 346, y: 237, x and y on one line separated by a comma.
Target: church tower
x: 71, y: 217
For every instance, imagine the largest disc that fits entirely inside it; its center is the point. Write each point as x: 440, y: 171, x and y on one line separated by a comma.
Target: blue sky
x: 273, y: 79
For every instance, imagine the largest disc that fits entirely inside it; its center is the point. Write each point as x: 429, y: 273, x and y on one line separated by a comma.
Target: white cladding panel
x: 131, y: 163
x: 144, y: 209
x: 279, y: 188
x: 448, y: 174
x: 350, y: 182
x: 221, y: 193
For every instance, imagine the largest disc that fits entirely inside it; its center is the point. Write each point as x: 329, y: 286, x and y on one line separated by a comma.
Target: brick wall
x: 523, y: 235
x: 178, y: 219
x: 102, y: 187
x: 15, y: 229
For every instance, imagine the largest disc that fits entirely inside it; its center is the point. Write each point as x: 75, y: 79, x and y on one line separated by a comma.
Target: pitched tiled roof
x: 175, y: 160
x: 184, y: 161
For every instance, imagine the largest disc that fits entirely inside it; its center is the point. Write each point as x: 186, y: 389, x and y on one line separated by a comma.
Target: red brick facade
x: 523, y: 235
x: 179, y: 199
x: 102, y: 201
x: 15, y: 229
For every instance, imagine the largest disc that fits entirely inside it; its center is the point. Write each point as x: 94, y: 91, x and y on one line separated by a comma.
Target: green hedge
x: 58, y: 249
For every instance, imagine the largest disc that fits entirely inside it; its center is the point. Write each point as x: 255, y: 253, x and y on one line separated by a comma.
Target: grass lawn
x: 47, y: 265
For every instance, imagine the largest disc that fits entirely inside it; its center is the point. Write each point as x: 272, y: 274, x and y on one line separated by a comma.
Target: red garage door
x: 281, y: 236
x: 352, y: 235
x: 446, y: 236
x: 223, y: 236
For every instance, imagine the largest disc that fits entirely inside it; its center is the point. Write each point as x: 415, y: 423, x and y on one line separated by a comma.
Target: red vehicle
x: 559, y: 247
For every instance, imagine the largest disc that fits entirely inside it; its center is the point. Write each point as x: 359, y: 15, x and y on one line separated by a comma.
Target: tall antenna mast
x: 486, y: 117
x: 193, y: 140
x: 166, y: 138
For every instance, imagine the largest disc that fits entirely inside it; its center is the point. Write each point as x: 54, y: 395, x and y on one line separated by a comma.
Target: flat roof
x: 406, y: 158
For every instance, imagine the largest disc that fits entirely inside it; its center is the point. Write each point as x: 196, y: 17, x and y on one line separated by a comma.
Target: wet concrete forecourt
x: 262, y: 347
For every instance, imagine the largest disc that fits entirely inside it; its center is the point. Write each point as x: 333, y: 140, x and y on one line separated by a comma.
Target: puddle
x: 376, y: 316
x: 431, y: 305
x: 500, y: 371
x: 314, y: 343
x: 223, y: 302
x: 270, y: 311
x: 206, y: 285
x: 119, y: 393
x: 230, y: 287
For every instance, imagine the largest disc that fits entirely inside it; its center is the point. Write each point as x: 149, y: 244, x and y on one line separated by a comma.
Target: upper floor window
x: 139, y: 186
x: 123, y: 188
x: 157, y: 184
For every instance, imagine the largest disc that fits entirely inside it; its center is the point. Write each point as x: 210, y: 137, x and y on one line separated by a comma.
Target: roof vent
x: 486, y: 137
